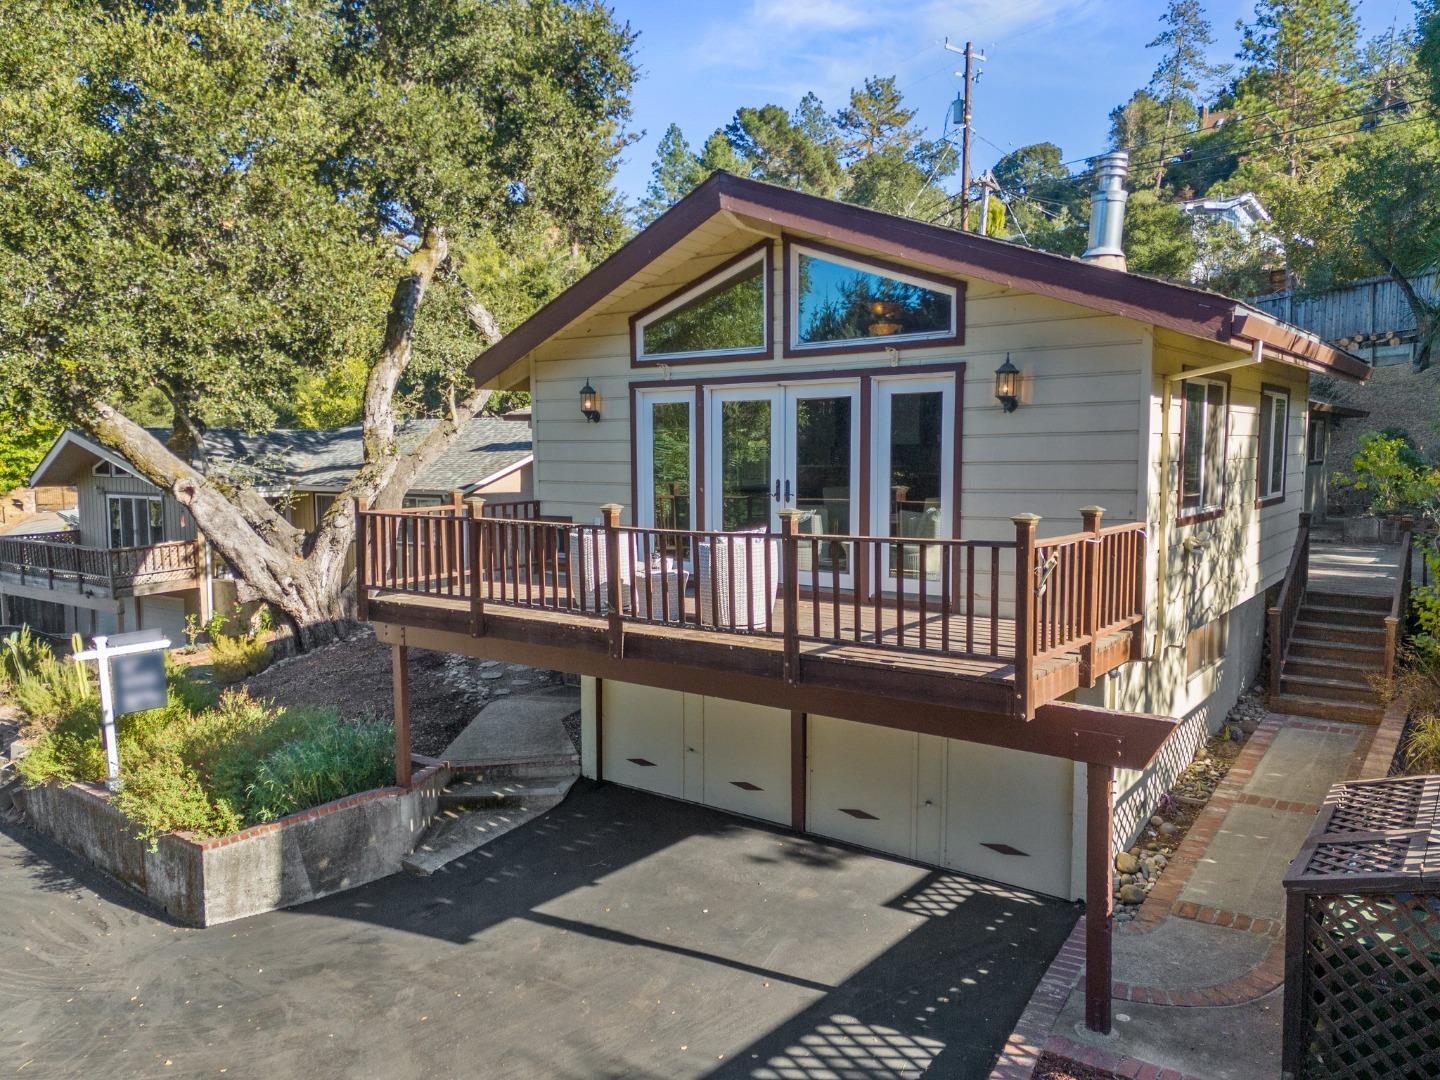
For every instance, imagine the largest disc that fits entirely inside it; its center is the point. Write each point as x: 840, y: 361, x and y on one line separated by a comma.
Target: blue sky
x: 1055, y: 68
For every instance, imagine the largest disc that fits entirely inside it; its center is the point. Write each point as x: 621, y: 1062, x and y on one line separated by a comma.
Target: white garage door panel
x: 643, y: 737
x: 747, y: 759
x: 1013, y: 800
x: 862, y: 784
x: 165, y: 613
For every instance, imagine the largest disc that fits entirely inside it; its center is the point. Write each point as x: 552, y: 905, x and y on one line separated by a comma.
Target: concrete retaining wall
x: 317, y: 852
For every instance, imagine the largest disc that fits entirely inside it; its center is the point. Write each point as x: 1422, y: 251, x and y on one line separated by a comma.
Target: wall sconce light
x: 1007, y: 385
x: 590, y: 403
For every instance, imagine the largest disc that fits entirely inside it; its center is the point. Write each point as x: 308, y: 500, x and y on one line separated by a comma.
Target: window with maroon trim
x: 842, y: 301
x: 1202, y: 450
x: 722, y: 314
x: 1274, y: 437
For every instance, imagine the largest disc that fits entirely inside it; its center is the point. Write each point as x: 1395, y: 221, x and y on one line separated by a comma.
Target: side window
x: 1274, y: 437
x: 1202, y: 451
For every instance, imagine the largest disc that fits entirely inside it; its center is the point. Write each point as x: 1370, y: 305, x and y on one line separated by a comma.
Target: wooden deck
x: 766, y: 615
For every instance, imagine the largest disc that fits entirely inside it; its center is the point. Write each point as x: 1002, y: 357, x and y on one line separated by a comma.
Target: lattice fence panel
x: 1372, y: 987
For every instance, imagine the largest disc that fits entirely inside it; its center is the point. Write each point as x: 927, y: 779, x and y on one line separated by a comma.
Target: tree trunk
x: 266, y: 552
x: 1427, y: 315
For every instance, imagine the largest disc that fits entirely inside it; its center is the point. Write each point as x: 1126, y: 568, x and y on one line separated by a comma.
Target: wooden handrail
x: 1286, y: 609
x: 1399, y: 602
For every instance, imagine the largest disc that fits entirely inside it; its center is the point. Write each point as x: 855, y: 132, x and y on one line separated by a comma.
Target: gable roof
x: 310, y: 460
x: 1182, y: 308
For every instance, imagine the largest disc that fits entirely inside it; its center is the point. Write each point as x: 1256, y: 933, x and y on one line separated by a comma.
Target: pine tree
x: 675, y: 173
x: 1182, y: 68
x: 1297, y: 107
x: 876, y: 120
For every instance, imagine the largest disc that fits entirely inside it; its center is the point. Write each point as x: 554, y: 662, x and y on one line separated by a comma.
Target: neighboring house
x: 1244, y: 215
x: 135, y: 559
x: 1372, y: 319
x: 25, y: 502
x: 821, y: 428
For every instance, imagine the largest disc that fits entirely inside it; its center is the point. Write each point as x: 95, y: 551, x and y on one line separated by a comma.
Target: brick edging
x: 1027, y: 1041
x: 1384, y: 742
x: 1097, y: 1058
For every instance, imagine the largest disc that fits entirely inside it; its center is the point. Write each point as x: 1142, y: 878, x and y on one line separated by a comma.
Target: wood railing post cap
x: 1093, y: 510
x: 1026, y: 519
x: 611, y: 508
x: 791, y: 512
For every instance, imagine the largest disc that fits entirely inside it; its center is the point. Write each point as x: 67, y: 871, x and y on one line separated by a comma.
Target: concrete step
x: 1326, y: 689
x: 1314, y: 648
x: 456, y: 831
x: 1348, y: 601
x: 1331, y: 668
x: 1350, y: 635
x: 1317, y: 709
x: 1333, y: 616
x: 477, y: 793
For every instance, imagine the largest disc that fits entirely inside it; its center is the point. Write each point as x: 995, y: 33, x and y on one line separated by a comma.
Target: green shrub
x: 1422, y: 746
x: 236, y: 658
x: 214, y: 771
x: 46, y: 688
x: 329, y: 761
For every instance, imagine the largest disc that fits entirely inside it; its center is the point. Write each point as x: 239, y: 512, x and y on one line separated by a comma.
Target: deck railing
x: 942, y: 597
x: 1286, y: 609
x: 108, y: 569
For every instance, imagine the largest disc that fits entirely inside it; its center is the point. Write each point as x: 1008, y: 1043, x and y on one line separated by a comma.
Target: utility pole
x: 967, y: 114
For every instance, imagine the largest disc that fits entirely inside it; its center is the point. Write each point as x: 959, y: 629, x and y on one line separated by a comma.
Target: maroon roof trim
x: 1176, y: 307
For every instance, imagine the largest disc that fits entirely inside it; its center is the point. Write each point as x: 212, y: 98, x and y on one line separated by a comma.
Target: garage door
x: 726, y: 754
x: 165, y: 613
x: 644, y: 737
x: 1008, y: 816
x: 747, y: 759
x: 862, y: 784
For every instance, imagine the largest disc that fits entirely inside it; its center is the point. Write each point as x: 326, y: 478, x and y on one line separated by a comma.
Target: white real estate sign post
x: 132, y: 679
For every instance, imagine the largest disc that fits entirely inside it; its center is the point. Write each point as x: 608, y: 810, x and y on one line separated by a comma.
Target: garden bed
x: 201, y: 882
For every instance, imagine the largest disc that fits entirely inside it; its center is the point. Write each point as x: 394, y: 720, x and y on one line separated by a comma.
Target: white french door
x: 913, y: 460
x: 773, y: 448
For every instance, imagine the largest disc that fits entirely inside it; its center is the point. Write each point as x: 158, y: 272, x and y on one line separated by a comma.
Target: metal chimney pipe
x: 1107, y: 211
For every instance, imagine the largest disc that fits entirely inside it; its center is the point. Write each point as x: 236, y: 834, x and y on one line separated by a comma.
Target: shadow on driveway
x: 620, y: 935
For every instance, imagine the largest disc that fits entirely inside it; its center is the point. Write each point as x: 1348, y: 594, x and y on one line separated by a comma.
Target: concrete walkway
x: 1358, y: 569
x: 1199, y: 972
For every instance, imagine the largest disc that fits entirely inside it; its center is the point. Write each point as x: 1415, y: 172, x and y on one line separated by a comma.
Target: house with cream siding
x: 135, y: 559
x: 896, y: 535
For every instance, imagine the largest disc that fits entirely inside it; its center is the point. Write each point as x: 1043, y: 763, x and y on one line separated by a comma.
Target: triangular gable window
x: 840, y: 302
x: 723, y: 314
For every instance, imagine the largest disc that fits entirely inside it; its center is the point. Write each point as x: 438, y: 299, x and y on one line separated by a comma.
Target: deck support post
x: 799, y: 771
x: 790, y: 609
x: 1026, y: 526
x: 1090, y: 521
x: 610, y: 514
x: 400, y: 676
x: 1099, y: 836
x: 363, y: 544
x: 475, y: 528
x: 599, y: 729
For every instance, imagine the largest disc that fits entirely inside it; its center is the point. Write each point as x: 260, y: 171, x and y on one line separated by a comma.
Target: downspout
x: 1162, y: 568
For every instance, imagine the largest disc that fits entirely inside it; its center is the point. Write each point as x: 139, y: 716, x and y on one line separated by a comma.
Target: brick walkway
x: 1248, y: 821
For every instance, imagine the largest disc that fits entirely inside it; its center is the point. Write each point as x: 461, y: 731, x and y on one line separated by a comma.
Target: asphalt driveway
x: 622, y: 935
